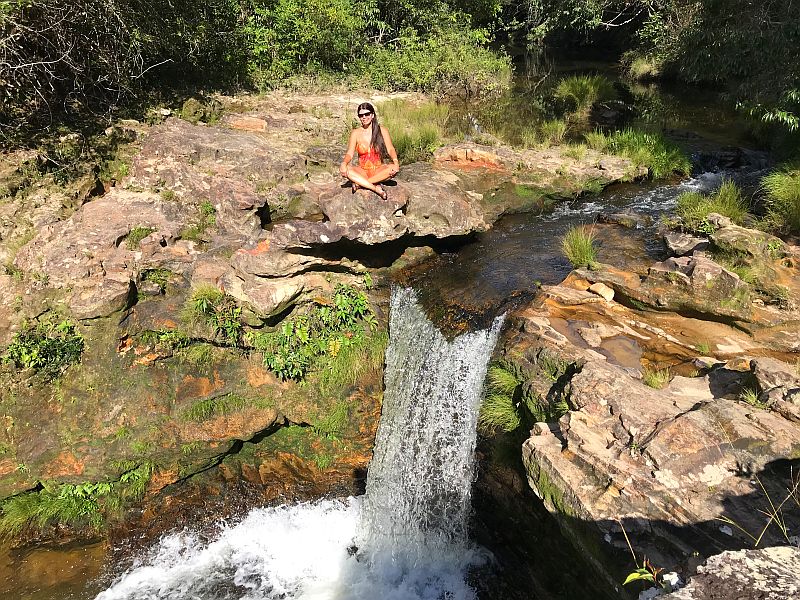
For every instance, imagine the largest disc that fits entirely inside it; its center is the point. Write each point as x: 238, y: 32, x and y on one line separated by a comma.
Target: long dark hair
x: 377, y: 137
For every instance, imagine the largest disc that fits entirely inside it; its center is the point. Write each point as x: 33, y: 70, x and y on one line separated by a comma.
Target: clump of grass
x: 159, y: 276
x: 640, y: 67
x: 552, y: 132
x: 417, y: 130
x: 693, y: 207
x: 703, y: 348
x: 783, y: 198
x: 346, y: 364
x: 661, y: 157
x: 656, y: 378
x: 211, y: 306
x: 46, y: 347
x: 136, y: 235
x: 500, y: 410
x: 168, y: 195
x: 206, y: 218
x: 751, y: 397
x: 578, y: 245
x: 576, y: 151
x: 581, y: 92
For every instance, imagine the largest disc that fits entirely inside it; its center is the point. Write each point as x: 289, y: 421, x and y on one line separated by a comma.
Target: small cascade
x: 405, y: 540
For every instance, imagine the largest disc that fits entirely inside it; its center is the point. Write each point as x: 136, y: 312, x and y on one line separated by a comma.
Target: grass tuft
x: 578, y: 246
x: 661, y: 157
x: 581, y: 92
x: 783, y: 198
x: 656, y: 378
x: 693, y: 207
x: 552, y: 132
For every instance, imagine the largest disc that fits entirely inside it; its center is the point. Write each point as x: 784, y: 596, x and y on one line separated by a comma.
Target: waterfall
x: 406, y: 539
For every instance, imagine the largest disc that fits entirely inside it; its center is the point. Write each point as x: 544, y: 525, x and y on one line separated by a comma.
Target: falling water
x: 405, y: 540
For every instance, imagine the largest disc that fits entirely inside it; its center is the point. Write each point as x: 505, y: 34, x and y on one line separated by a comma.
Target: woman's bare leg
x: 358, y: 176
x: 382, y: 173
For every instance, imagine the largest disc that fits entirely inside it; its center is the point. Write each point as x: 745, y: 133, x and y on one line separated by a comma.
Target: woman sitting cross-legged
x: 373, y: 144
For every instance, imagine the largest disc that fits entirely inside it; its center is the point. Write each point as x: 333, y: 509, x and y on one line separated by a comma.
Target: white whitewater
x: 406, y: 539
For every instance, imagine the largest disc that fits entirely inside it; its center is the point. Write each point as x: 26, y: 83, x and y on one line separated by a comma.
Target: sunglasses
x: 362, y: 115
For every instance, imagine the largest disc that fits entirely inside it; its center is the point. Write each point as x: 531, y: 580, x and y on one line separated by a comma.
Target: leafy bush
x: 578, y: 246
x: 46, y: 347
x: 290, y: 36
x: 326, y: 330
x: 581, y: 92
x: 693, y: 207
x: 450, y: 63
x: 211, y: 306
x: 652, y: 150
x: 783, y: 198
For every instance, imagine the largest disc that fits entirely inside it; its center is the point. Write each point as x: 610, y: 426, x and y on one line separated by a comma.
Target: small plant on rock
x: 136, y: 235
x: 46, y: 347
x: 213, y: 307
x: 578, y: 246
x: 656, y: 378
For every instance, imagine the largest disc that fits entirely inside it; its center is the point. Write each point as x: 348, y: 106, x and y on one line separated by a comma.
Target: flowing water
x: 406, y: 539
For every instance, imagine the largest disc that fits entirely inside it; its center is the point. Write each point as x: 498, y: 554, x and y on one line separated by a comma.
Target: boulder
x: 762, y: 574
x: 683, y: 244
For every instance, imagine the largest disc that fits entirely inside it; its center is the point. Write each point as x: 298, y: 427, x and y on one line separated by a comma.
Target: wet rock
x: 628, y: 220
x: 763, y: 574
x: 740, y: 240
x: 683, y: 244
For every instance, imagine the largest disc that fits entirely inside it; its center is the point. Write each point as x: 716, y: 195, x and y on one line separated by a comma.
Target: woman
x: 373, y: 144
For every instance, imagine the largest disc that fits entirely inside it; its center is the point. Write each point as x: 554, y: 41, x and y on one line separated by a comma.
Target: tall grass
x: 693, y: 207
x: 783, y: 198
x: 578, y: 246
x: 352, y: 363
x: 499, y: 410
x: 552, y: 132
x: 661, y: 157
x: 416, y: 130
x: 583, y: 91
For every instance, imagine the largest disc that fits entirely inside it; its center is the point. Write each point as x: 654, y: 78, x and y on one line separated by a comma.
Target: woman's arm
x: 348, y: 156
x: 387, y: 139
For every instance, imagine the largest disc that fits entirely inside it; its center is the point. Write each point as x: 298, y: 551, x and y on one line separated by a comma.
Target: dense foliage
x: 61, y: 56
x: 45, y: 347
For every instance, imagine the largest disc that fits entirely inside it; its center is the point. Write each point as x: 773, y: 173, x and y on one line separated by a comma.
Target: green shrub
x: 783, y: 198
x: 652, y: 150
x: 578, y: 246
x: 452, y: 62
x: 46, y: 347
x: 292, y: 350
x: 286, y: 37
x: 581, y: 92
x: 693, y: 207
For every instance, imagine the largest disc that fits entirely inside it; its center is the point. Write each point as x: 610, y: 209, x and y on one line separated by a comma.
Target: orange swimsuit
x: 369, y: 159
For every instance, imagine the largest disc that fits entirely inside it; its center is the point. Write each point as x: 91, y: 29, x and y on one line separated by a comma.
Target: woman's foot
x: 355, y: 187
x: 381, y: 192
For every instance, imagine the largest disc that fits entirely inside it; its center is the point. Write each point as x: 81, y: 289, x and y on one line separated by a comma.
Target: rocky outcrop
x: 765, y: 574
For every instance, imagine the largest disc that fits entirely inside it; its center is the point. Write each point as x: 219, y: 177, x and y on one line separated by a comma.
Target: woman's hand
x: 343, y: 170
x: 394, y: 170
